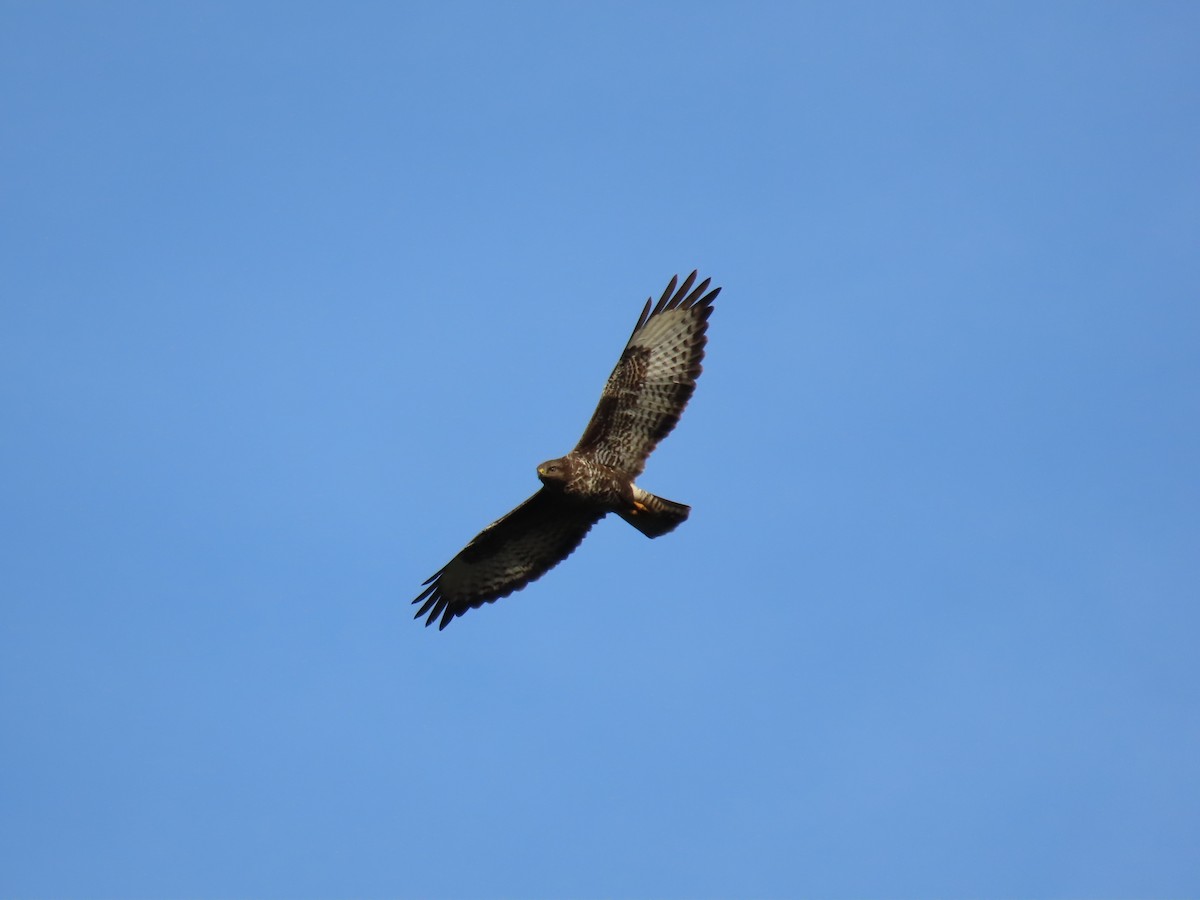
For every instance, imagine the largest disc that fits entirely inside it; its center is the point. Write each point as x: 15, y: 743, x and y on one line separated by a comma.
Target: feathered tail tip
x: 654, y: 516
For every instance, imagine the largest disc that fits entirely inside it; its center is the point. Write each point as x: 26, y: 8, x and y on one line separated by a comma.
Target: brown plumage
x: 645, y: 394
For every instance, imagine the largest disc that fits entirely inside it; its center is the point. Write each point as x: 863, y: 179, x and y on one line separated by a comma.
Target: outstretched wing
x: 506, y: 556
x: 653, y: 380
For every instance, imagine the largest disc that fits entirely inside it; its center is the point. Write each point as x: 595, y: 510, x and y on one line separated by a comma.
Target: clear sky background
x: 295, y: 297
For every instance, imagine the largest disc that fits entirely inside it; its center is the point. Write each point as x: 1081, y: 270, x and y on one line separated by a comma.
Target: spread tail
x: 653, y: 516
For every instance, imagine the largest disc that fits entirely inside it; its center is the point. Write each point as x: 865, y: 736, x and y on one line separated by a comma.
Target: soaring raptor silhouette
x: 642, y: 401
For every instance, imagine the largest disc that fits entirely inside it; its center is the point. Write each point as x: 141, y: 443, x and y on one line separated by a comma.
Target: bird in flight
x: 643, y: 399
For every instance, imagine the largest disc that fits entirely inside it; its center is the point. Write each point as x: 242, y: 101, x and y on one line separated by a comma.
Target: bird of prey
x: 645, y: 394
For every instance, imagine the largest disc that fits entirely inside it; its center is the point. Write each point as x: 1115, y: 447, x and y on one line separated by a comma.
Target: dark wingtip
x: 643, y: 317
x: 665, y: 298
x: 696, y: 294
x: 706, y: 302
x: 683, y: 290
x: 434, y: 601
x: 686, y: 297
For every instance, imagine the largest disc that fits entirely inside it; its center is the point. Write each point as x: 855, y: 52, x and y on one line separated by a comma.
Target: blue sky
x: 294, y: 297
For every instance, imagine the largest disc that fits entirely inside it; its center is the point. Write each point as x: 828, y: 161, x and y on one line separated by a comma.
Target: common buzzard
x: 646, y: 392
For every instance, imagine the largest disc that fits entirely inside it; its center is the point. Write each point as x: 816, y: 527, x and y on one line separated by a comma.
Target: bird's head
x: 554, y: 470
